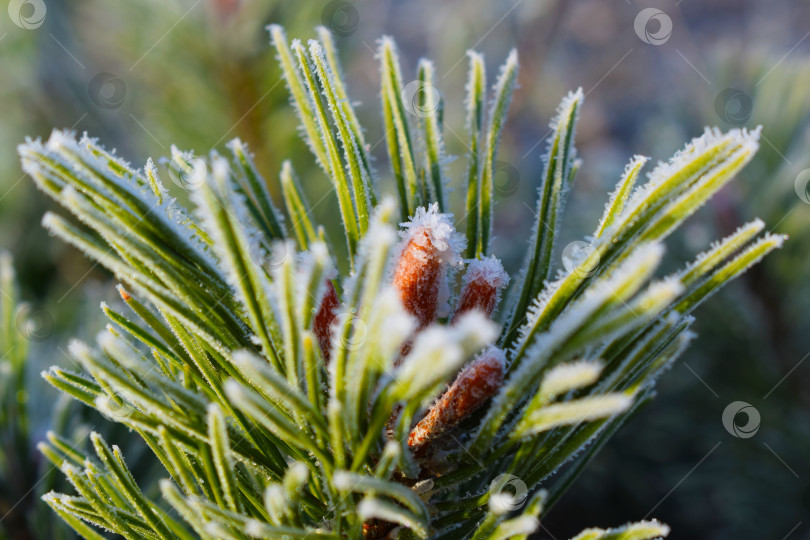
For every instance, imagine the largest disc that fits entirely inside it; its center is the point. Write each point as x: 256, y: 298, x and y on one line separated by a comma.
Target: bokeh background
x: 145, y: 74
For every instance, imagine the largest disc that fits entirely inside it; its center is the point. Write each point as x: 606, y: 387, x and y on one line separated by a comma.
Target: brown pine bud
x: 324, y: 319
x: 481, y: 286
x: 476, y: 383
x: 430, y: 243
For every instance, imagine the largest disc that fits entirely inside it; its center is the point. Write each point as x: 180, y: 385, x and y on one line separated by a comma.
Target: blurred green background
x: 143, y: 75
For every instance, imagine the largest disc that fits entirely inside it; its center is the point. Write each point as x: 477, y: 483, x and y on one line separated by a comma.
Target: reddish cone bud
x: 476, y: 383
x: 481, y: 287
x: 324, y: 319
x: 430, y: 242
x: 418, y: 278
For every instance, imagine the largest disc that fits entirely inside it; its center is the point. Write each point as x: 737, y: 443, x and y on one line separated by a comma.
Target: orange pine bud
x: 324, y: 319
x: 430, y: 243
x: 418, y: 278
x: 481, y: 286
x: 476, y: 383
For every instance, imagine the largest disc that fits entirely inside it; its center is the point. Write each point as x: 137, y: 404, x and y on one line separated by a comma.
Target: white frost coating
x: 425, y: 140
x: 220, y: 168
x: 657, y: 296
x: 370, y: 508
x: 78, y: 158
x: 275, y: 288
x: 440, y: 232
x: 275, y: 498
x: 380, y: 235
x: 306, y: 263
x: 68, y: 468
x: 777, y: 240
x: 683, y: 341
x: 521, y: 525
x: 78, y: 348
x: 443, y: 296
x: 722, y: 248
x: 492, y: 355
x: 151, y: 172
x: 72, y: 200
x: 562, y: 112
x: 255, y: 528
x: 565, y: 377
x: 639, y: 266
x: 279, y: 41
x: 573, y: 412
x: 343, y: 481
x: 619, y: 197
x: 642, y: 529
x: 711, y: 140
x: 666, y: 326
x: 345, y: 134
x: 574, y: 97
x: 320, y: 253
x: 52, y: 496
x: 386, y: 43
x: 396, y: 323
x: 433, y: 357
x: 298, y: 474
x: 473, y: 330
x: 488, y: 269
x: 239, y: 148
x: 439, y: 351
x: 92, y: 146
x: 476, y: 58
x: 380, y: 232
x: 114, y: 344
x: 216, y: 530
x: 763, y: 246
x: 571, y: 98
x: 246, y: 233
x: 509, y: 66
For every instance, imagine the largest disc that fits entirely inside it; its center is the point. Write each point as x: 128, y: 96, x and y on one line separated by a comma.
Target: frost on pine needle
x: 567, y: 377
x: 287, y: 398
x: 691, y: 164
x: 643, y: 530
x: 558, y: 171
x: 720, y: 250
x: 572, y: 412
x: 618, y: 199
x: 438, y: 352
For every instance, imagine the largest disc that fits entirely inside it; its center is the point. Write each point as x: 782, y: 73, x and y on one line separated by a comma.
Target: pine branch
x: 285, y: 397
